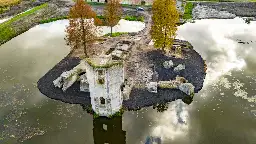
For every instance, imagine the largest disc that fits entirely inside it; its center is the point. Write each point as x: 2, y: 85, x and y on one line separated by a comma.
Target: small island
x: 128, y: 71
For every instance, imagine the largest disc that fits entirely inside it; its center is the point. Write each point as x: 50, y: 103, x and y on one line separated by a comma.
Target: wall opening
x: 102, y: 101
x: 105, y: 127
x: 101, y: 77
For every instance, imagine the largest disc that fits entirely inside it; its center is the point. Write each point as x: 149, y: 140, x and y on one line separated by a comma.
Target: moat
x: 29, y: 116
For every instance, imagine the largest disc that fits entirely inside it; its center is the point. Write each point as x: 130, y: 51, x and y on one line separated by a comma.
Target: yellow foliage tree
x: 165, y: 18
x: 113, y: 13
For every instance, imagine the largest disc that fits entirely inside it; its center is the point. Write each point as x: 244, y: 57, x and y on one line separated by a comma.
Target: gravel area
x: 152, y: 62
x: 73, y: 94
x: 223, y: 10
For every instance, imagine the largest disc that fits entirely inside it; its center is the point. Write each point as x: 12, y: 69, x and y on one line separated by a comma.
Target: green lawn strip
x: 53, y: 19
x: 116, y: 34
x: 188, y: 11
x: 7, y: 32
x: 134, y: 18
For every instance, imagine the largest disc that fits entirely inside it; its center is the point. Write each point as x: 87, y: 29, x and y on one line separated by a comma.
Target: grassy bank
x: 6, y: 30
x: 53, y: 19
x: 116, y: 34
x: 134, y: 18
x: 188, y: 11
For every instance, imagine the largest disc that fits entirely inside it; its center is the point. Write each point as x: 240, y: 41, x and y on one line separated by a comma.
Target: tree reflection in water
x: 161, y: 107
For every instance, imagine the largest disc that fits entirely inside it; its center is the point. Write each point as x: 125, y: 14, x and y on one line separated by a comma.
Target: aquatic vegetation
x: 242, y: 93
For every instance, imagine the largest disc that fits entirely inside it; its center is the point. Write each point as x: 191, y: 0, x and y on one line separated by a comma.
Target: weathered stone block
x: 187, y: 88
x: 84, y: 85
x: 168, y: 84
x: 179, y: 67
x: 152, y: 87
x: 168, y: 64
x: 69, y: 81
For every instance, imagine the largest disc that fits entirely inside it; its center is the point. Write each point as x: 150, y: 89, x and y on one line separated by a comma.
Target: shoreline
x: 59, y: 10
x: 51, y: 11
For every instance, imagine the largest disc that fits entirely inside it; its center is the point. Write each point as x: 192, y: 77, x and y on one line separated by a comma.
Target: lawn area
x: 134, y: 18
x: 188, y: 11
x: 53, y: 19
x: 116, y: 34
x: 6, y: 30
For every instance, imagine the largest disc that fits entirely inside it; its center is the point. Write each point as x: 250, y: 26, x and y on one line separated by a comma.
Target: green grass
x: 119, y: 113
x: 116, y: 34
x: 53, y: 19
x: 101, y: 17
x: 188, y: 11
x: 7, y: 32
x: 134, y: 18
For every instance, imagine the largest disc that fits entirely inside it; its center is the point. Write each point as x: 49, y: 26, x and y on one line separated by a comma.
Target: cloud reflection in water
x: 216, y: 41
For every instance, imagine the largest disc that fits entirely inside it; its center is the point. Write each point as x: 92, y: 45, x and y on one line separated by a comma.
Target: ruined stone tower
x: 105, y: 77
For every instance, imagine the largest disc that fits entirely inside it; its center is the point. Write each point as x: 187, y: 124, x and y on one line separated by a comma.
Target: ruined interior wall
x: 115, y: 80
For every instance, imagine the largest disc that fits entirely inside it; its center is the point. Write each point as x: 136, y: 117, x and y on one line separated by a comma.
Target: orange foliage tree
x: 81, y: 31
x: 112, y: 13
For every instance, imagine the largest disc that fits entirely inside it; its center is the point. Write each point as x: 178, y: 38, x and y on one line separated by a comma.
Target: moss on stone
x: 119, y: 113
x: 107, y: 65
x: 166, y: 85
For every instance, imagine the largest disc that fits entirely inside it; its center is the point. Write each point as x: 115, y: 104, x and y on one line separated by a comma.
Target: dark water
x: 221, y: 113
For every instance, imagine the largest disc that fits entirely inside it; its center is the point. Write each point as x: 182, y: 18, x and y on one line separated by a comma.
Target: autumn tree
x: 112, y: 13
x: 165, y: 17
x: 81, y: 31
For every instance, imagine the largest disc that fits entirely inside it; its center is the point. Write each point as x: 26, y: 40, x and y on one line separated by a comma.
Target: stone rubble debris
x: 187, y: 88
x: 179, y: 83
x: 152, y: 87
x: 68, y: 78
x: 168, y: 64
x: 179, y: 67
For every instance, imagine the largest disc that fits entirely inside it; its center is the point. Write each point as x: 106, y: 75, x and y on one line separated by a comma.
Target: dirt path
x: 138, y: 70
